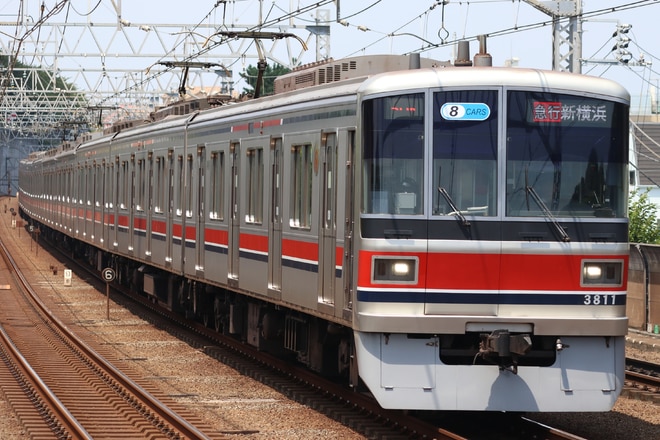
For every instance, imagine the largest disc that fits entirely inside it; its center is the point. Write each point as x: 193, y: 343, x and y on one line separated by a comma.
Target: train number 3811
x: 599, y: 300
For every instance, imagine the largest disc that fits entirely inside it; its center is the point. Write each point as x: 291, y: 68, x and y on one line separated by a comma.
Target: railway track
x: 642, y: 380
x: 61, y: 388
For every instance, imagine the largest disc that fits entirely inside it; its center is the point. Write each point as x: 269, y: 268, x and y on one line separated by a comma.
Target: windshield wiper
x: 452, y: 205
x: 548, y: 214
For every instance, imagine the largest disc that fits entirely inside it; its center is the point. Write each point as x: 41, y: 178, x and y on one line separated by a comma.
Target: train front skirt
x: 404, y: 372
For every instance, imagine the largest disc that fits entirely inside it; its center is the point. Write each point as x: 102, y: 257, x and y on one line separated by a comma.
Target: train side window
x: 109, y: 185
x: 189, y: 186
x: 177, y: 188
x: 149, y: 195
x: 159, y: 196
x: 81, y: 186
x: 139, y: 201
x: 301, y: 186
x: 89, y: 189
x: 255, y: 183
x: 217, y: 186
x: 125, y: 184
x: 98, y: 184
x: 69, y: 186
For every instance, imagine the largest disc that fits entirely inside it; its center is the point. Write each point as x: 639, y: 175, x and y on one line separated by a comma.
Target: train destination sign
x: 570, y: 112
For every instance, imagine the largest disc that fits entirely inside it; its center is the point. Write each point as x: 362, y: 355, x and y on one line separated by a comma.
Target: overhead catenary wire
x: 302, y: 12
x: 209, y: 47
x: 509, y: 30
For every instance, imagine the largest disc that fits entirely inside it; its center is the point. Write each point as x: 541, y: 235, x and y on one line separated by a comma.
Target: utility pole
x: 567, y: 32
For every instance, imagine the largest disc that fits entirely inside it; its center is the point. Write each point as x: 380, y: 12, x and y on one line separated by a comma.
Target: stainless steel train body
x: 458, y: 236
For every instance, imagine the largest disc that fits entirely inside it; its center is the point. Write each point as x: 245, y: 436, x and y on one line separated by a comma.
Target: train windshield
x: 465, y: 127
x: 566, y: 156
x: 394, y: 155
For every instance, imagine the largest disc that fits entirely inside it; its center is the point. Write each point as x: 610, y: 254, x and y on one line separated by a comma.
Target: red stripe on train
x: 493, y: 271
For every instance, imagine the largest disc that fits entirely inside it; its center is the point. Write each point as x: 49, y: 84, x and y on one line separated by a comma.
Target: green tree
x: 643, y: 223
x: 252, y: 72
x: 22, y: 73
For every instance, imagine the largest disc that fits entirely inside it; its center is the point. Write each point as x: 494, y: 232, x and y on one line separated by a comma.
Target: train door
x: 216, y: 211
x: 131, y: 204
x: 82, y: 195
x: 199, y: 210
x: 89, y: 193
x: 117, y: 200
x: 97, y: 228
x: 327, y: 237
x: 103, y: 237
x: 349, y: 225
x: 61, y: 180
x: 55, y: 196
x: 234, y: 218
x: 149, y: 203
x: 254, y: 229
x: 68, y: 192
x: 275, y: 219
x: 79, y: 225
x: 169, y: 212
x: 186, y: 194
x: 91, y: 200
x: 122, y: 203
x: 140, y: 205
x: 181, y: 209
x: 86, y: 203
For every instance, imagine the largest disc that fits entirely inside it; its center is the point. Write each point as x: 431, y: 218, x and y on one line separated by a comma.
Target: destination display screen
x: 571, y: 111
x: 405, y: 106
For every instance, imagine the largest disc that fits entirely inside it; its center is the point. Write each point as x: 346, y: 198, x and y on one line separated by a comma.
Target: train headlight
x: 401, y: 268
x: 602, y: 273
x: 592, y: 271
x: 394, y: 270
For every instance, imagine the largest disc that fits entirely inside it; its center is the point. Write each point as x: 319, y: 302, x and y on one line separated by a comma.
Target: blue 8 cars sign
x: 465, y: 111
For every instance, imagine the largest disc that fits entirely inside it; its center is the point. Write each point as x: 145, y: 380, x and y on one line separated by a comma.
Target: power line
x: 505, y: 31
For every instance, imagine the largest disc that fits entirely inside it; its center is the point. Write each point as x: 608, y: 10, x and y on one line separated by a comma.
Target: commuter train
x: 447, y: 237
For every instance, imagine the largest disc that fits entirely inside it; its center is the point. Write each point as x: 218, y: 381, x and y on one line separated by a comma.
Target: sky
x: 516, y: 30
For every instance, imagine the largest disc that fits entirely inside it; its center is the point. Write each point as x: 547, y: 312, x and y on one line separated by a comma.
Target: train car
x: 452, y: 238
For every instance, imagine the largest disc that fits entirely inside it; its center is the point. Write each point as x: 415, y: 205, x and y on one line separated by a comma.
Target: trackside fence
x: 643, y: 304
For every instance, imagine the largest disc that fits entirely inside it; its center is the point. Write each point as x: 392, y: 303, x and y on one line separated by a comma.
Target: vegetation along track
x: 68, y: 389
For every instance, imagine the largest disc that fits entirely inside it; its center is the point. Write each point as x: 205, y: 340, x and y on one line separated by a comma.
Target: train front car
x: 493, y: 254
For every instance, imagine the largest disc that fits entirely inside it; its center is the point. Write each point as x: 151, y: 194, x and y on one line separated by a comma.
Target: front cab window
x: 394, y: 155
x: 566, y: 156
x: 465, y: 127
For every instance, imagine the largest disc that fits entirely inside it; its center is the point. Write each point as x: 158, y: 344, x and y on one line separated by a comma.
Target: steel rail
x: 161, y: 410
x: 66, y: 421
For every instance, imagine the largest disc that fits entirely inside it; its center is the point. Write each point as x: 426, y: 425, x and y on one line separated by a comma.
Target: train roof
x: 364, y: 76
x: 332, y: 71
x: 346, y: 88
x: 494, y: 77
